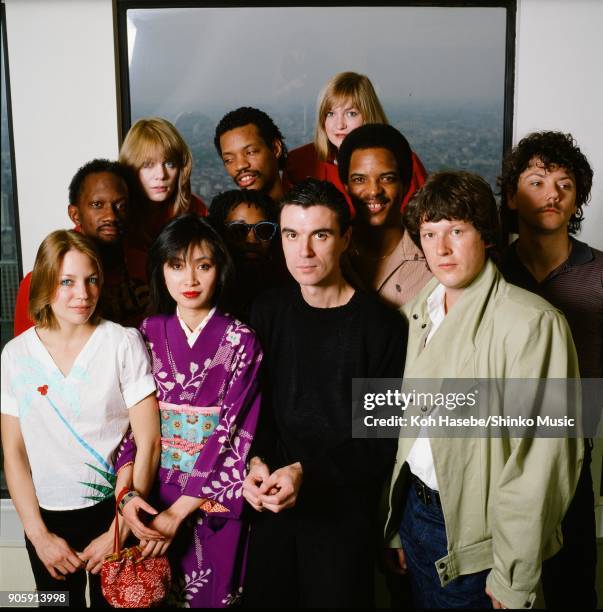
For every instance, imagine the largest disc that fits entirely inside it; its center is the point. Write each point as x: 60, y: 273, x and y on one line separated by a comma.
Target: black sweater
x: 311, y: 356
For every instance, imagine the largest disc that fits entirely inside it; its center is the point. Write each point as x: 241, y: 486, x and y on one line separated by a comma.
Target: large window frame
x: 11, y: 152
x: 509, y: 5
x: 8, y: 301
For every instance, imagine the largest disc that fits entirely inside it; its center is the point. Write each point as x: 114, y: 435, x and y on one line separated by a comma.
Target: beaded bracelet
x: 121, y: 493
x: 126, y: 498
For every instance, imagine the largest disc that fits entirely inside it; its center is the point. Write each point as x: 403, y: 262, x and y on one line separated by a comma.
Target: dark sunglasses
x: 264, y: 230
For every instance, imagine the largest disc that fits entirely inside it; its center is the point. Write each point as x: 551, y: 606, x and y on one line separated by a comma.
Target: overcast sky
x: 221, y: 58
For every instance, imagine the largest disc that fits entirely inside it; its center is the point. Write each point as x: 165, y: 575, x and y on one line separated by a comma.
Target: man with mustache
x: 253, y: 151
x: 98, y: 207
x: 546, y: 180
x: 375, y: 165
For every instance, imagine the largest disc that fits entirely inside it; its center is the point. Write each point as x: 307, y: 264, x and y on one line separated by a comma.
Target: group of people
x: 222, y: 427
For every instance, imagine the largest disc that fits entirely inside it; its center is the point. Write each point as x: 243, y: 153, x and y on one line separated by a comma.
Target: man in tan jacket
x: 473, y: 518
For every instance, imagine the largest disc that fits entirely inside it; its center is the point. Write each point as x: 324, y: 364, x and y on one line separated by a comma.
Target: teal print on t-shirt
x: 108, y: 473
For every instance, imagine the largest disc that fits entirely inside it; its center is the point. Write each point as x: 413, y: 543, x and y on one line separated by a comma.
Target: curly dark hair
x: 455, y: 195
x: 244, y: 116
x: 224, y: 202
x: 176, y: 238
x: 312, y: 192
x: 552, y: 149
x: 95, y: 166
x: 376, y: 136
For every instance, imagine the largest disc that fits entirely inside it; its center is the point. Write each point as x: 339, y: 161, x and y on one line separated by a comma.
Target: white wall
x: 64, y: 104
x: 558, y: 84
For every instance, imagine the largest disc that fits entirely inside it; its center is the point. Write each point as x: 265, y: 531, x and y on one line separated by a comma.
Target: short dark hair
x: 176, y: 238
x: 95, y: 166
x: 552, y: 149
x: 224, y: 202
x: 244, y: 116
x: 455, y: 195
x: 376, y: 136
x: 312, y: 192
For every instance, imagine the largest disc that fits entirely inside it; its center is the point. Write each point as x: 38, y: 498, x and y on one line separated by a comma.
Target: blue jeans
x: 423, y: 535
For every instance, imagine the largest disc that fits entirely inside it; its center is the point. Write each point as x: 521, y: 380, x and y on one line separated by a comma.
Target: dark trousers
x: 568, y: 578
x: 423, y: 535
x: 78, y: 528
x: 311, y: 560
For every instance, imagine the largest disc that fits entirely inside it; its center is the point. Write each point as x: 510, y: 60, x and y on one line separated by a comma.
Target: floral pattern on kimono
x: 209, y: 402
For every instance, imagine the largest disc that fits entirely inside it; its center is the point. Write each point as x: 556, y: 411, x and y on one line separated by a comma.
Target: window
x: 443, y: 72
x: 10, y: 255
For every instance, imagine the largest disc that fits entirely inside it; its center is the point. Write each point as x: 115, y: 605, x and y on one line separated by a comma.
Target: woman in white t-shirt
x: 71, y: 385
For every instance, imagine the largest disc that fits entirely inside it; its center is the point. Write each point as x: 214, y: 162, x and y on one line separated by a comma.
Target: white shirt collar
x: 436, y: 309
x: 191, y: 336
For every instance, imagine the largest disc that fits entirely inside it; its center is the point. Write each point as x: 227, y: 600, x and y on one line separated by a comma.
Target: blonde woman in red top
x: 347, y: 102
x: 160, y: 162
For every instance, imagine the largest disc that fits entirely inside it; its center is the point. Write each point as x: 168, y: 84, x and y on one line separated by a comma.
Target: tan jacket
x: 397, y: 278
x: 502, y: 499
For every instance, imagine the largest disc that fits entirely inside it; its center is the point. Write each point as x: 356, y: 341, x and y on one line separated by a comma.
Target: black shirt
x: 311, y: 356
x: 576, y: 289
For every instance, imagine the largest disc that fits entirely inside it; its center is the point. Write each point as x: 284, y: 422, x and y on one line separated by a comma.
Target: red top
x: 165, y: 216
x: 22, y: 321
x: 198, y: 205
x: 303, y: 162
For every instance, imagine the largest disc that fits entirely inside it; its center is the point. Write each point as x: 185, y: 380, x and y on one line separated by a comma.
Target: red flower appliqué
x: 43, y: 390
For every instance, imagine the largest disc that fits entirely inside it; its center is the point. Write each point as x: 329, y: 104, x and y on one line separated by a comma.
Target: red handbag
x: 129, y: 581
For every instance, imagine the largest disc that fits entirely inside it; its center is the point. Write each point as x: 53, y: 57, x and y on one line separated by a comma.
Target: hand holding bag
x: 129, y: 581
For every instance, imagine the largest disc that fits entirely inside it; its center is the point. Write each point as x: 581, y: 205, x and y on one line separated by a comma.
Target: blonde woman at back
x: 160, y: 162
x: 347, y: 102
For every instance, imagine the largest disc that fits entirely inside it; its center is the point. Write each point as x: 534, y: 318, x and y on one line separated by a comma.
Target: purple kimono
x: 209, y: 402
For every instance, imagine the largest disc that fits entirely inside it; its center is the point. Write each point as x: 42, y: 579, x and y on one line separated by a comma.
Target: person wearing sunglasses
x: 253, y: 237
x: 246, y: 220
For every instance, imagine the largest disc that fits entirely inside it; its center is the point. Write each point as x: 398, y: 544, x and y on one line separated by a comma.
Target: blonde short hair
x: 154, y: 134
x: 358, y: 89
x: 47, y: 270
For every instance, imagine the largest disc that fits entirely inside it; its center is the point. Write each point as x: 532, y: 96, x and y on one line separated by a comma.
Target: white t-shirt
x: 72, y: 425
x: 420, y: 457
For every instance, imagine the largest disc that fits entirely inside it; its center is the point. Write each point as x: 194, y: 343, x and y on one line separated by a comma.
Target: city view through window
x: 439, y: 73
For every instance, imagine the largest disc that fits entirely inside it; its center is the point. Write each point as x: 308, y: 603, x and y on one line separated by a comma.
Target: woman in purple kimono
x: 205, y: 364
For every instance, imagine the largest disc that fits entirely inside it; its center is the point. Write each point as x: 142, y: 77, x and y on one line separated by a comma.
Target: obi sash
x: 185, y: 430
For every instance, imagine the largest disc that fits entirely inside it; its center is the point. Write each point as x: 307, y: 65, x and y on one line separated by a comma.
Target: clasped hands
x: 274, y: 491
x: 156, y: 536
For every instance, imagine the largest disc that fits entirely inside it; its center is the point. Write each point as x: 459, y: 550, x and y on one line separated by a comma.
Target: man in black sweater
x: 315, y: 488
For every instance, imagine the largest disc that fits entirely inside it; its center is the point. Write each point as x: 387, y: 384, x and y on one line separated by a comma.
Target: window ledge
x: 11, y: 530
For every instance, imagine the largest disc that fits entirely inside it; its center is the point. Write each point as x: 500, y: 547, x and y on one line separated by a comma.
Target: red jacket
x: 22, y: 321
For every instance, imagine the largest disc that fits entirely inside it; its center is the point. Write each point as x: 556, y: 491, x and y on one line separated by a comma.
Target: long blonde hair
x: 47, y: 270
x: 343, y: 87
x: 144, y: 139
